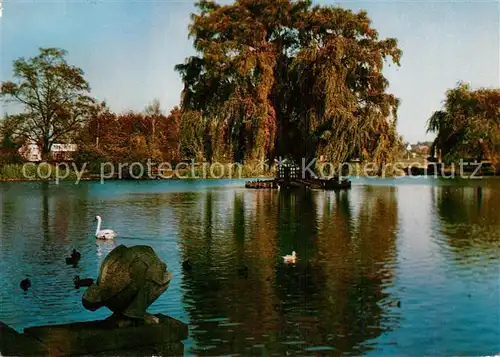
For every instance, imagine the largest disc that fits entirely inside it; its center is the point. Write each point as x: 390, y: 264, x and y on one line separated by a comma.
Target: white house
x: 32, y: 152
x: 64, y: 147
x: 63, y: 152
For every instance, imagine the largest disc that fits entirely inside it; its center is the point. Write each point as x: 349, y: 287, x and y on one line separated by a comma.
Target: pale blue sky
x: 128, y: 49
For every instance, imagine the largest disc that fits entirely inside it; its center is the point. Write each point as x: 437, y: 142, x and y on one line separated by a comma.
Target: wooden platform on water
x: 262, y: 184
x: 320, y: 184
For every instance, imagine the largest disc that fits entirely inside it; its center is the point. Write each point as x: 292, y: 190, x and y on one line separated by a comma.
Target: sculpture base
x: 120, y: 321
x: 98, y: 338
x: 12, y: 343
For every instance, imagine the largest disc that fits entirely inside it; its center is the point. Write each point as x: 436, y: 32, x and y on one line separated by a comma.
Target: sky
x: 128, y: 49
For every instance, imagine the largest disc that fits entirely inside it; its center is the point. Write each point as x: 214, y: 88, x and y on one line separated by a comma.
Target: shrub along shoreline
x: 14, y: 172
x: 51, y: 172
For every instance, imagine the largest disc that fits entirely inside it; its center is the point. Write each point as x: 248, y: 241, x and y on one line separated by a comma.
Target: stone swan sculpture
x: 130, y: 280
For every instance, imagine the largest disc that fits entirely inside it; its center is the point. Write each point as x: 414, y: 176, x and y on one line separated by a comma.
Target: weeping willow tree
x: 469, y: 125
x: 285, y: 78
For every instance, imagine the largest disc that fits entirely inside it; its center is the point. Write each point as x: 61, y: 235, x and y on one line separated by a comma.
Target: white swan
x: 290, y: 258
x: 103, y: 233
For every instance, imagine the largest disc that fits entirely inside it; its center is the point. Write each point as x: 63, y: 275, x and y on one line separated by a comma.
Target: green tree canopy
x: 7, y: 133
x: 54, y: 95
x: 469, y: 124
x: 283, y: 77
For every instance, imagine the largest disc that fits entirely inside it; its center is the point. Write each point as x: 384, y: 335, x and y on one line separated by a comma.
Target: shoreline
x: 138, y: 179
x: 90, y: 179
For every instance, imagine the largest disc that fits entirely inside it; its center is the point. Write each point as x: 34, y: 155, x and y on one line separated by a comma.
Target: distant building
x: 423, y: 150
x: 63, y: 152
x: 58, y: 152
x: 30, y: 152
x: 419, y: 149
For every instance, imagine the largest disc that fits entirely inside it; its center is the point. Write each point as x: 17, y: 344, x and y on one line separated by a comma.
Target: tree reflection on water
x: 332, y: 299
x: 469, y: 221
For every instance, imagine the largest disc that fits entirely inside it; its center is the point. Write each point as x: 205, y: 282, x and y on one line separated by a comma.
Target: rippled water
x: 405, y: 267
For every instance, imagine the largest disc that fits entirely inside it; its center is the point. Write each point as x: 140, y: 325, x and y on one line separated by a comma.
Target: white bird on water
x: 103, y: 233
x: 290, y: 258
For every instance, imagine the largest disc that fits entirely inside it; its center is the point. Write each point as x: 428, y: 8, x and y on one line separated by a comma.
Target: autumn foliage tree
x: 130, y: 137
x: 285, y: 78
x: 469, y: 124
x: 54, y: 96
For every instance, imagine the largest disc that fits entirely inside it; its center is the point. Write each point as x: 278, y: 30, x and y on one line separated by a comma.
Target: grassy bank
x: 51, y: 172
x: 45, y: 172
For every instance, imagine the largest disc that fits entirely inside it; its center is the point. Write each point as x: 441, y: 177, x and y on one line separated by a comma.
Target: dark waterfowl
x: 243, y: 271
x: 186, y: 265
x: 25, y: 284
x: 76, y: 254
x: 395, y: 303
x: 74, y: 259
x: 82, y: 282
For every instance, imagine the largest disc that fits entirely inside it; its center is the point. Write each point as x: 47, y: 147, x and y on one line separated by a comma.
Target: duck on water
x: 82, y: 282
x: 74, y: 259
x: 25, y: 284
x: 290, y: 259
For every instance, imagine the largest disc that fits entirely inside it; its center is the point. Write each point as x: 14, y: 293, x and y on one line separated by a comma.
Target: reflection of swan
x: 103, y: 233
x: 290, y: 258
x: 105, y: 246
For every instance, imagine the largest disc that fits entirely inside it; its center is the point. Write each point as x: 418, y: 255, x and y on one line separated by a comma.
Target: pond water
x: 404, y: 267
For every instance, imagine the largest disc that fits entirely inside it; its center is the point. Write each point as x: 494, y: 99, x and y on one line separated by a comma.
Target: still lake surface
x: 433, y: 245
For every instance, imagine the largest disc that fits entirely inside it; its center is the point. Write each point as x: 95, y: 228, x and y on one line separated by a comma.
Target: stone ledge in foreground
x: 101, y: 338
x: 12, y: 343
